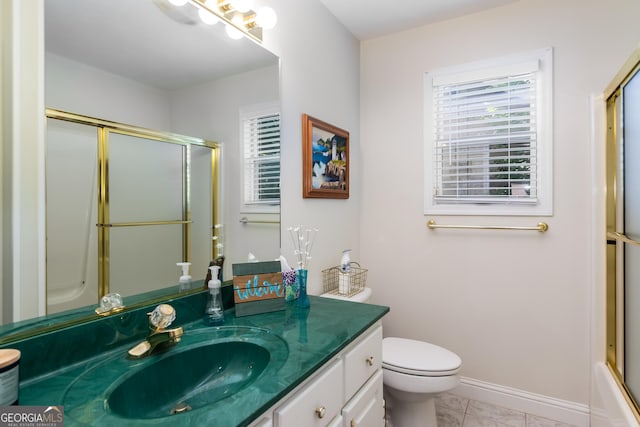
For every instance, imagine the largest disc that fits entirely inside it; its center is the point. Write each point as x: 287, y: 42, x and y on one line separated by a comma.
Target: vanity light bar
x: 224, y: 11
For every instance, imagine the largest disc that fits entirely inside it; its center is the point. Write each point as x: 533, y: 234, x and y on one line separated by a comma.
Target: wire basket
x: 346, y: 284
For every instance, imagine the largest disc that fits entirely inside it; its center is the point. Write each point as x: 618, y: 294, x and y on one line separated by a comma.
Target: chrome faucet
x: 159, y: 337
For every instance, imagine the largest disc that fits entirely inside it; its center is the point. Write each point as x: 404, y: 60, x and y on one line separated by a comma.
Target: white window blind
x: 486, y: 136
x: 261, y: 134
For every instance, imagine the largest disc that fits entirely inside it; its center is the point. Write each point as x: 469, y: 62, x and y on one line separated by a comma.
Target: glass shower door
x: 631, y: 222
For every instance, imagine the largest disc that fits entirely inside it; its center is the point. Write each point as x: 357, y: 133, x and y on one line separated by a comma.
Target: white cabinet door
x: 362, y: 361
x: 366, y: 409
x: 263, y: 422
x: 315, y: 404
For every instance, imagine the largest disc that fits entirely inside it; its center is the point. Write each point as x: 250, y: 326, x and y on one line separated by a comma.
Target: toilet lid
x: 418, y: 358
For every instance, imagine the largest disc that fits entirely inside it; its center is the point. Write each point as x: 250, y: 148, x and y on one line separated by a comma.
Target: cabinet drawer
x: 362, y: 361
x: 366, y: 409
x: 316, y: 403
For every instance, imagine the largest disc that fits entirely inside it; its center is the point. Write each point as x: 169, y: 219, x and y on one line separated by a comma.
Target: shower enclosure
x: 623, y: 234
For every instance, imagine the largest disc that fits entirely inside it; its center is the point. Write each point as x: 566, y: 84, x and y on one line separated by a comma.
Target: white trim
x: 23, y: 263
x: 605, y: 399
x: 441, y: 78
x: 544, y: 207
x: 573, y: 413
x: 615, y: 410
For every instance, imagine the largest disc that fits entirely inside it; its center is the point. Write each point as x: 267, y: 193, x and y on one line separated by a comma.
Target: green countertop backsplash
x: 74, y: 367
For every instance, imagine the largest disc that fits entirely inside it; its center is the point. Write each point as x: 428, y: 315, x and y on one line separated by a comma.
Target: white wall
x: 320, y: 77
x: 515, y: 306
x: 212, y: 111
x: 79, y: 88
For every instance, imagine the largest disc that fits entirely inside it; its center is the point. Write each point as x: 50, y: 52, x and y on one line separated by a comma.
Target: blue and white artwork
x: 329, y: 154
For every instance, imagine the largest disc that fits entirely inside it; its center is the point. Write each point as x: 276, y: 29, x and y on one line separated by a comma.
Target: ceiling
x: 373, y: 18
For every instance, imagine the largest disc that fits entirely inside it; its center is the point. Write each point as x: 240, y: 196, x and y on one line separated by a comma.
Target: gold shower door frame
x: 104, y: 129
x: 616, y: 241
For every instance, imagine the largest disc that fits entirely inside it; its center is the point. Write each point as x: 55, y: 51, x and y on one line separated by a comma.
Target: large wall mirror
x: 152, y: 65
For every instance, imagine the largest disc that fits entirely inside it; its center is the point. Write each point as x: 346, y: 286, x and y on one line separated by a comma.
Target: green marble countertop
x: 300, y: 341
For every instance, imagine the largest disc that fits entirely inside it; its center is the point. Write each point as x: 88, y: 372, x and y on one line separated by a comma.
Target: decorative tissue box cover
x: 258, y: 287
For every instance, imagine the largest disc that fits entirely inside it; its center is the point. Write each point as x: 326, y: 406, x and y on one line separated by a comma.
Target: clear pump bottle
x: 214, y: 313
x: 185, y: 279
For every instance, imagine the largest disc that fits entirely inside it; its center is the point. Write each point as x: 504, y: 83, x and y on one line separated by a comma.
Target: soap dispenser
x: 185, y: 279
x: 214, y: 313
x: 344, y: 278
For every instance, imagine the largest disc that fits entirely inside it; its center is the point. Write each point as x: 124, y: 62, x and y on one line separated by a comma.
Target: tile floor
x: 456, y: 411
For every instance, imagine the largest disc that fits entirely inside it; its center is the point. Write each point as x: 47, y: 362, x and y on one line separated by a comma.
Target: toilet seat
x: 418, y: 358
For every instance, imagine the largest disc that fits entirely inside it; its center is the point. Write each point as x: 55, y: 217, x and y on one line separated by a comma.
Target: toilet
x: 413, y: 373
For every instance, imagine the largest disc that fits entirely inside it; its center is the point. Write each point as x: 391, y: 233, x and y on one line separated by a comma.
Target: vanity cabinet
x: 324, y: 367
x: 346, y: 392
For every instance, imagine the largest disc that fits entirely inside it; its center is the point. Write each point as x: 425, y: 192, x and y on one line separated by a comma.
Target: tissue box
x: 258, y: 287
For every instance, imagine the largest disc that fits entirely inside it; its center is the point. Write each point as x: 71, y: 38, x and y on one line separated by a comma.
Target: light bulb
x: 178, y: 2
x: 266, y: 18
x: 233, y: 32
x: 206, y: 16
x: 241, y: 6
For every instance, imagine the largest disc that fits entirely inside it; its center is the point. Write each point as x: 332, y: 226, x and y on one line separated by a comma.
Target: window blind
x: 485, y: 139
x: 261, y: 135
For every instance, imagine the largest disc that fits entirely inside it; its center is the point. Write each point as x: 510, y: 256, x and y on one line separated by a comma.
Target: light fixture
x: 178, y: 2
x: 206, y: 15
x: 233, y: 31
x: 240, y: 19
x: 266, y: 18
x: 241, y: 6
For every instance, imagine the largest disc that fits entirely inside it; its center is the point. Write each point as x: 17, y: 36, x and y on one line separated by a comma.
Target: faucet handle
x: 162, y: 316
x: 110, y: 303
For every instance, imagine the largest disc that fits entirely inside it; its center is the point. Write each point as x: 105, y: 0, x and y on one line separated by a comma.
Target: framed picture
x: 325, y: 157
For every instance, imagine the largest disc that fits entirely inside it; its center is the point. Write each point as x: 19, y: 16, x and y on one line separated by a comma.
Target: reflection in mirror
x: 134, y: 62
x: 135, y: 219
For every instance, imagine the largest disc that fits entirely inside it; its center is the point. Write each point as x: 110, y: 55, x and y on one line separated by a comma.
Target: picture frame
x: 325, y: 160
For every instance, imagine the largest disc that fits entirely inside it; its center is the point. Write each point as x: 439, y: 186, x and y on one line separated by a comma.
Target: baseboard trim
x: 573, y: 413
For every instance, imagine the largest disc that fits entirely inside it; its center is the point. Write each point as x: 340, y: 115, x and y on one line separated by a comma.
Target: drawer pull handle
x: 321, y: 411
x: 370, y: 360
x: 353, y: 423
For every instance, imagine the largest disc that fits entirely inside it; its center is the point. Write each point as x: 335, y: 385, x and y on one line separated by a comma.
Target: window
x: 261, y: 154
x: 488, y: 137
